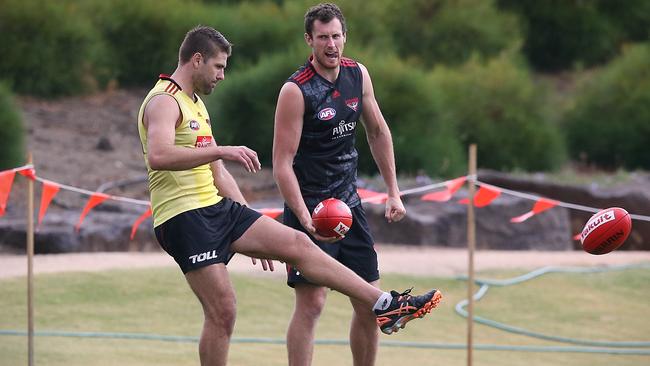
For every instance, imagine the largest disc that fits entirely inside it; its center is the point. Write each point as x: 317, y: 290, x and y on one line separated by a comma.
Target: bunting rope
x: 572, y: 206
x: 485, y: 195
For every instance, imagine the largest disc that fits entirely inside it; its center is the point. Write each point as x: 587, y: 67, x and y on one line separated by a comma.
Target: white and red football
x: 606, y: 231
x: 332, y: 217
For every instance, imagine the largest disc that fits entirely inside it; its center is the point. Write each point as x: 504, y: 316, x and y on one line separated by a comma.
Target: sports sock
x: 383, y: 302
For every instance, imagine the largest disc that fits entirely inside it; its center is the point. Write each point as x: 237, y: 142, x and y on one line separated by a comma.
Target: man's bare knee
x: 222, y: 314
x: 298, y: 246
x: 310, y: 301
x: 311, y: 305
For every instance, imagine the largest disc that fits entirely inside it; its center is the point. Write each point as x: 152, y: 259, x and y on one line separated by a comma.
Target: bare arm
x: 225, y: 182
x: 381, y: 147
x: 161, y: 118
x: 286, y: 138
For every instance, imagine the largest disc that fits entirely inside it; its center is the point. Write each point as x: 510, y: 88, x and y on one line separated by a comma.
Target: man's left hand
x: 267, y: 264
x: 395, y: 210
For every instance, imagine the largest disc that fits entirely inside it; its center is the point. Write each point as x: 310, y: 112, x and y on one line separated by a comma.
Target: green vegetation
x: 158, y: 301
x: 142, y: 37
x: 410, y: 102
x: 446, y: 72
x: 450, y: 32
x: 499, y: 107
x: 609, y: 125
x: 563, y: 34
x: 12, y: 133
x: 49, y: 49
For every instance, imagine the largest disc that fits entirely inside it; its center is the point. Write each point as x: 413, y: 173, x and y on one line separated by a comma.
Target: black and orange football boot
x: 404, y: 308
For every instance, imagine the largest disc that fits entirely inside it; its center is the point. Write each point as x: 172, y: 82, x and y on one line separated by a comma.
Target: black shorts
x: 203, y: 236
x: 356, y: 251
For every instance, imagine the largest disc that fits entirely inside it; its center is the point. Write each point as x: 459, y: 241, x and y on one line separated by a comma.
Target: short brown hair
x: 325, y: 13
x: 204, y: 40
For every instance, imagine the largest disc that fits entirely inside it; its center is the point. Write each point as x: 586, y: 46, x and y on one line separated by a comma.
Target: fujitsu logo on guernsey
x: 343, y: 129
x: 203, y: 256
x: 326, y: 114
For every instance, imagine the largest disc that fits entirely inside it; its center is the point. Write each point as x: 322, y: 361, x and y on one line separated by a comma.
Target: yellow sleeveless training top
x: 175, y: 192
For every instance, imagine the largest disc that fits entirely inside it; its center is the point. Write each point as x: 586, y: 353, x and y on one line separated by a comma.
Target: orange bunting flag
x: 367, y: 195
x: 6, y: 181
x: 94, y: 200
x: 271, y: 212
x: 50, y: 189
x: 540, y: 206
x: 444, y: 196
x: 484, y: 196
x: 138, y: 221
x: 28, y: 173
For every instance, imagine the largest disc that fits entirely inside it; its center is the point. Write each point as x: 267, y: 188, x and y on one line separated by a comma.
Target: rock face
x: 100, y: 232
x: 108, y: 227
x: 445, y: 224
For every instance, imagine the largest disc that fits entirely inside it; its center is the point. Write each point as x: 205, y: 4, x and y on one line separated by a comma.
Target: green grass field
x: 610, y: 306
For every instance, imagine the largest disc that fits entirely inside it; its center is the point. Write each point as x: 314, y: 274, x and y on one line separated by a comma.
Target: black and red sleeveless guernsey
x: 326, y: 161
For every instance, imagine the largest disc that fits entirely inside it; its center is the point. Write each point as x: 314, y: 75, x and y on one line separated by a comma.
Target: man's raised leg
x: 212, y: 287
x: 267, y: 238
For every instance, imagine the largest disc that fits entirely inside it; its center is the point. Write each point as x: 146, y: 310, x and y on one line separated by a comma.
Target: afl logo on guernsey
x: 194, y: 125
x: 326, y: 114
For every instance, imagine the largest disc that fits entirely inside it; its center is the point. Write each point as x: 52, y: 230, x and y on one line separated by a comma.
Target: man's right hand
x: 242, y: 155
x: 308, y: 224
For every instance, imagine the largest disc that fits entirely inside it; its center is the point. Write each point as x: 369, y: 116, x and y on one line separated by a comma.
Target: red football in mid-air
x: 332, y: 217
x: 606, y: 231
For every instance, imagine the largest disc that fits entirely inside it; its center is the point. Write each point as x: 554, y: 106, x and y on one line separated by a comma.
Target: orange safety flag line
x: 50, y: 189
x: 483, y: 197
x: 138, y: 221
x: 371, y: 196
x: 540, y: 206
x: 6, y: 181
x: 29, y: 173
x: 444, y: 196
x: 271, y: 212
x: 94, y: 200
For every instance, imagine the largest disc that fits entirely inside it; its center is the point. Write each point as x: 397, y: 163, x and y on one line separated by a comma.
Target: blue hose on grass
x: 585, y: 346
x: 336, y: 342
x: 485, y: 285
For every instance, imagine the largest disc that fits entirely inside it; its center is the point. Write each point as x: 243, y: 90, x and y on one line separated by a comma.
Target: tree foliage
x: 12, y: 133
x: 609, y: 126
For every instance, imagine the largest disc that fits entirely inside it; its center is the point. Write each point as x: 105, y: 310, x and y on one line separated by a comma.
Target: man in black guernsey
x: 314, y: 158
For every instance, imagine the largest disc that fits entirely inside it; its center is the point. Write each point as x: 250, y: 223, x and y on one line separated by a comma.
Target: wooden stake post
x: 471, y: 246
x: 30, y: 269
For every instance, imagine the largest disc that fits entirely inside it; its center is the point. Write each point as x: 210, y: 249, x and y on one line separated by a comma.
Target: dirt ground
x: 392, y: 259
x: 64, y: 137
